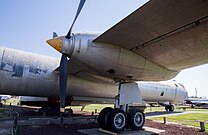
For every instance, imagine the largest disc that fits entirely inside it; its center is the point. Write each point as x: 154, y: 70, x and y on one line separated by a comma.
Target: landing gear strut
x: 169, y: 108
x: 126, y: 112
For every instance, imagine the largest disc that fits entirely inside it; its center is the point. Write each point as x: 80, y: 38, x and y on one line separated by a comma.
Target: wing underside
x: 80, y: 71
x: 172, y: 34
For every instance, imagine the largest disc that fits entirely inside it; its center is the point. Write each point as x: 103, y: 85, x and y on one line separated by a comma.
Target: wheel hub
x: 119, y: 120
x: 137, y: 119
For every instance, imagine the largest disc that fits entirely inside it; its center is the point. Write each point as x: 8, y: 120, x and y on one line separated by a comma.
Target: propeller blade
x: 77, y: 14
x: 63, y: 81
x: 55, y: 35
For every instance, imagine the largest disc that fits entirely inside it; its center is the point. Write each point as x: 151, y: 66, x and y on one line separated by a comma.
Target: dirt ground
x: 174, y: 129
x: 171, y: 129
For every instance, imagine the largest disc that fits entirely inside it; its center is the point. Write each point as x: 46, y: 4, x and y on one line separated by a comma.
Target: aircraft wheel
x: 171, y: 108
x: 136, y: 119
x: 167, y: 108
x: 103, y: 116
x: 117, y: 120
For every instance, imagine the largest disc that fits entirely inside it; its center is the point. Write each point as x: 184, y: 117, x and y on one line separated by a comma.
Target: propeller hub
x: 56, y: 43
x: 63, y: 45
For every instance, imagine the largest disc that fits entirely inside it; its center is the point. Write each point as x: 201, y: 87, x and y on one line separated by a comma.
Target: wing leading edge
x: 172, y: 34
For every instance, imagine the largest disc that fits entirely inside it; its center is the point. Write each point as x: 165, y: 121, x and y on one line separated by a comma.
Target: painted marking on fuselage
x: 17, y: 68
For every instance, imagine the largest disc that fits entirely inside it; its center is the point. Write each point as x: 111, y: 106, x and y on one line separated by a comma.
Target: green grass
x: 191, y: 119
x: 154, y: 109
x: 177, y: 108
x: 99, y: 107
x: 91, y: 107
x: 12, y: 101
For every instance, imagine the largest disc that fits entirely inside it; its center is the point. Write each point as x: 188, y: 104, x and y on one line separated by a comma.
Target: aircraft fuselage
x: 28, y: 74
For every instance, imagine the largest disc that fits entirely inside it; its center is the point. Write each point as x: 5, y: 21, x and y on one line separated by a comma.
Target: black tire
x: 171, y: 108
x: 136, y: 119
x: 167, y: 108
x: 103, y: 116
x: 117, y: 120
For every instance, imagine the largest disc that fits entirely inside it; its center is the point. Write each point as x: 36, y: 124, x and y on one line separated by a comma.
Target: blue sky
x: 27, y: 24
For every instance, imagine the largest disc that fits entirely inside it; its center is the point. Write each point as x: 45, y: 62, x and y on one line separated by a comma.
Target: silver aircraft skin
x: 24, y: 73
x: 197, y: 101
x: 29, y: 74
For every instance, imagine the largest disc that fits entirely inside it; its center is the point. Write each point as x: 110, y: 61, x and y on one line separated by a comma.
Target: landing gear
x: 125, y: 114
x: 103, y: 116
x: 136, y: 119
x: 117, y: 120
x: 169, y: 108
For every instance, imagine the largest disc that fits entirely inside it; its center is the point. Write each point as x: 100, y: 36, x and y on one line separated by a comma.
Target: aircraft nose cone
x: 56, y: 43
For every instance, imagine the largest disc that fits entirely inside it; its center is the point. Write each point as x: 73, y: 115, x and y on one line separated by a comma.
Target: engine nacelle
x: 114, y: 61
x: 110, y: 60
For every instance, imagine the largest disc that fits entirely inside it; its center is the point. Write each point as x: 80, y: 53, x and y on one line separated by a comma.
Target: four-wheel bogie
x: 117, y: 120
